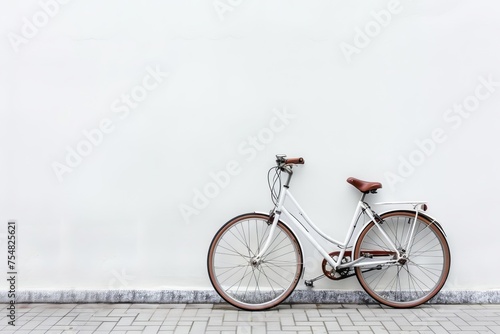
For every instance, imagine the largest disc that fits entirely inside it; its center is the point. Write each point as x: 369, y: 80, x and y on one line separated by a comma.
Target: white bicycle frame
x: 361, y: 207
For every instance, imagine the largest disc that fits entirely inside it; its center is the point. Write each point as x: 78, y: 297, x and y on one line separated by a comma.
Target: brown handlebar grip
x: 296, y: 161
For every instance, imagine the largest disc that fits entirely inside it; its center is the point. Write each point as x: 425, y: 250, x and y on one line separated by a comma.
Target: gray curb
x: 211, y: 297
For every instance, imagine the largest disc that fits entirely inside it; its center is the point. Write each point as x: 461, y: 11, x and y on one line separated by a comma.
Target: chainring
x: 330, y: 272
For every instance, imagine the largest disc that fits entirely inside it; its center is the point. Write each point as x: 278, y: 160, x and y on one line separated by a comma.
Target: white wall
x: 113, y: 219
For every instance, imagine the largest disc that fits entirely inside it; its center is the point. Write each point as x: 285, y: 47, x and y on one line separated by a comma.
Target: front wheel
x: 244, y: 282
x: 417, y: 275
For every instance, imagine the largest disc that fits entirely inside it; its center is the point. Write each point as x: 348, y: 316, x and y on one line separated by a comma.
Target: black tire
x: 246, y: 285
x: 410, y: 282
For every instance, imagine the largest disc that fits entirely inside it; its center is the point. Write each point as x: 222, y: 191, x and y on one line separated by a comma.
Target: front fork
x: 274, y: 217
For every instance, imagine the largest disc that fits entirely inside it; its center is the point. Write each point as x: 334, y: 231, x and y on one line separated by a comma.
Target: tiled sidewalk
x: 191, y: 318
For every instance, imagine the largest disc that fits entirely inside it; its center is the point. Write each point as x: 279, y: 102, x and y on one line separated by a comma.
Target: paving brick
x: 199, y: 327
x: 332, y: 326
x: 167, y: 328
x: 300, y: 317
x: 222, y: 328
x: 204, y: 312
x: 448, y: 325
x: 151, y: 330
x: 125, y: 321
x: 379, y: 330
x: 273, y: 326
x: 391, y: 325
x: 355, y: 328
x: 344, y: 321
x: 215, y: 321
x: 438, y: 329
x: 144, y: 316
x: 128, y: 328
x: 147, y: 323
x: 259, y: 330
x: 84, y: 327
x: 119, y: 313
x: 106, y: 326
x: 231, y: 316
x: 367, y: 323
x: 31, y: 325
x: 287, y: 321
x: 356, y: 317
x: 296, y: 328
x: 312, y: 313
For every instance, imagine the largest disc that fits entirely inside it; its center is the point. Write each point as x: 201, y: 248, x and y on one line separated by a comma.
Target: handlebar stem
x: 290, y: 173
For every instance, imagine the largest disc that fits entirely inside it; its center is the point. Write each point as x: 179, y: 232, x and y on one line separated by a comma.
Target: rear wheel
x: 422, y: 269
x: 244, y: 282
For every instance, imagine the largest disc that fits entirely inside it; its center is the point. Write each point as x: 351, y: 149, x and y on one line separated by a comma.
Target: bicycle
x: 401, y: 258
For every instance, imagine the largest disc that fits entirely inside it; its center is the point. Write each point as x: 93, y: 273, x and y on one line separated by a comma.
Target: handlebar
x: 295, y: 161
x: 283, y: 160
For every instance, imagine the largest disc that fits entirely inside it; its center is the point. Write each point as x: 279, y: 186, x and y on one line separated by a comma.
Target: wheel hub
x: 403, y: 259
x: 255, y: 262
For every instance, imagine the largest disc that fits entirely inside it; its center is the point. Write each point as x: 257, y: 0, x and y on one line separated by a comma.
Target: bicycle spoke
x: 416, y: 280
x: 242, y: 241
x: 237, y: 253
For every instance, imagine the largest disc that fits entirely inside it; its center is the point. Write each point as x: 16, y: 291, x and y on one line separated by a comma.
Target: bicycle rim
x: 410, y: 282
x: 246, y: 285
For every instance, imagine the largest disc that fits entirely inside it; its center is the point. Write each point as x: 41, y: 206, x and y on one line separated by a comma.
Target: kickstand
x: 310, y: 283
